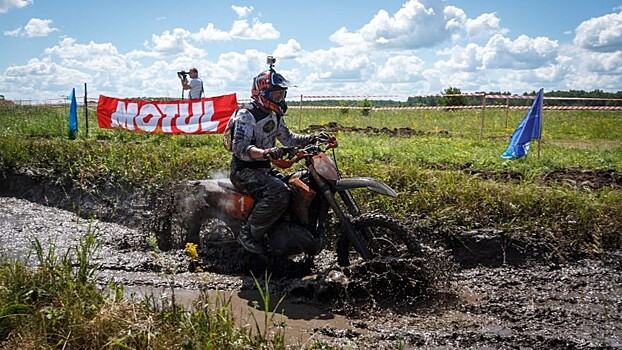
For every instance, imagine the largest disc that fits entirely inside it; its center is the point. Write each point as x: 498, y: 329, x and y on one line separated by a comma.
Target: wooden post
x: 507, y: 110
x: 300, y: 113
x: 481, y: 127
x: 86, y: 111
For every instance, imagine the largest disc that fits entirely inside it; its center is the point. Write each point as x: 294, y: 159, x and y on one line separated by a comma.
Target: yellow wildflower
x: 191, y: 250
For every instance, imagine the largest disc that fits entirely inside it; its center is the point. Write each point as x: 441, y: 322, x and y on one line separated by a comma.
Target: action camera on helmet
x: 270, y: 61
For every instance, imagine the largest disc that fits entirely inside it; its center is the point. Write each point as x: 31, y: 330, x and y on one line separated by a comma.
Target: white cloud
x: 68, y: 48
x: 401, y: 68
x: 6, y: 5
x: 35, y: 27
x: 547, y: 77
x: 522, y: 53
x: 258, y: 31
x: 603, y: 62
x: 170, y: 43
x: 241, y: 29
x: 591, y: 81
x: 503, y: 64
x: 485, y: 25
x: 466, y: 81
x: 422, y: 48
x: 419, y: 23
x: 175, y: 43
x: 468, y: 58
x: 211, y: 33
x: 588, y: 65
x: 291, y: 49
x: 603, y: 34
x: 235, y: 70
x: 339, y: 63
x: 43, y: 78
x: 242, y: 11
x: 14, y: 32
x: 501, y: 52
x: 455, y: 18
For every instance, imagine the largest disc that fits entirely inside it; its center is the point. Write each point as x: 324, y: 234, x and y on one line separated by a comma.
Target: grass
x: 59, y: 305
x: 431, y: 173
x: 567, y: 125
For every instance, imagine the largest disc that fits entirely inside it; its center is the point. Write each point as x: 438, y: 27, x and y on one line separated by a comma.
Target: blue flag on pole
x: 73, y: 112
x: 529, y: 128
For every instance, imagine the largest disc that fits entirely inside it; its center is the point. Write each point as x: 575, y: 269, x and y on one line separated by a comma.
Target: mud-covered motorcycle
x: 320, y: 196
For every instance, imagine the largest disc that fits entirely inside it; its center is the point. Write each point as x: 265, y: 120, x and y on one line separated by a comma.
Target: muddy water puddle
x: 301, y: 322
x: 539, y: 305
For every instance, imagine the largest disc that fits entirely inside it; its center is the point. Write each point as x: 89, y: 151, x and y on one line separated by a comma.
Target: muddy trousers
x: 271, y: 196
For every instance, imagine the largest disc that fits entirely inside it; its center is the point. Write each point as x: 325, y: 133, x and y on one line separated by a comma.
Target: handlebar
x: 292, y: 155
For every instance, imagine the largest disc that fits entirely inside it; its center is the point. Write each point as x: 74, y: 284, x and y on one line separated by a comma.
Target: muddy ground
x: 485, y: 291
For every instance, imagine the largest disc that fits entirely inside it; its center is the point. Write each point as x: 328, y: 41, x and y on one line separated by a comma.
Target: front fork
x: 352, y: 235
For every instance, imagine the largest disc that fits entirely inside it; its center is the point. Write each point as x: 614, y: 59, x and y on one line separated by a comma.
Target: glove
x: 272, y: 153
x: 322, y: 137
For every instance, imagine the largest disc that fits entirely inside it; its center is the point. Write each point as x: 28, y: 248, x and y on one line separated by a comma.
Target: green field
x: 452, y: 178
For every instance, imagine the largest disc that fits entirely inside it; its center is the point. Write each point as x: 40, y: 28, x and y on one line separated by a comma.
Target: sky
x: 384, y: 48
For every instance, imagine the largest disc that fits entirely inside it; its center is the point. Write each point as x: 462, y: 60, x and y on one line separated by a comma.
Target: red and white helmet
x: 269, y: 90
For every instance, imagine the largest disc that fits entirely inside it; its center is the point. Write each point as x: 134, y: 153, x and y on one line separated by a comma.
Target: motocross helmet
x: 269, y: 90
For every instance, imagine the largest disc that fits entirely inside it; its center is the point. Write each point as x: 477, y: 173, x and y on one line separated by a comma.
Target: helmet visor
x: 278, y: 81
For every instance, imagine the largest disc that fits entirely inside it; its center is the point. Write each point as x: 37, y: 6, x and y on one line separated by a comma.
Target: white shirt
x: 196, y: 87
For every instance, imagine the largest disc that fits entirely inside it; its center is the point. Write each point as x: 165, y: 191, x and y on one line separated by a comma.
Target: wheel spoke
x: 385, y: 236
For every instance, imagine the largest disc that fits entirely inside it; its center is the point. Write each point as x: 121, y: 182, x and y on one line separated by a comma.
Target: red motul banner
x: 207, y: 115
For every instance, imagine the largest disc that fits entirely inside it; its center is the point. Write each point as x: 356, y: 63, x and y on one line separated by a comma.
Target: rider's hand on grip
x: 322, y: 137
x: 272, y: 153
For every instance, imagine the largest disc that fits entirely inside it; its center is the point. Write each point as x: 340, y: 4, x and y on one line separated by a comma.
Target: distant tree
x: 367, y: 107
x: 344, y: 107
x: 453, y: 100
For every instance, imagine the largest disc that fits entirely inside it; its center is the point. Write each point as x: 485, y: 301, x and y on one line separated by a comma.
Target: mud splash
x: 376, y: 286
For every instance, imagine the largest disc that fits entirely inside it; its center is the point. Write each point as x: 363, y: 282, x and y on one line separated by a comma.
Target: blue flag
x: 73, y: 112
x: 529, y: 128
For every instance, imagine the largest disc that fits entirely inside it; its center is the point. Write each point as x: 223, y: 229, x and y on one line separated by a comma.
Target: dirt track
x: 533, y: 305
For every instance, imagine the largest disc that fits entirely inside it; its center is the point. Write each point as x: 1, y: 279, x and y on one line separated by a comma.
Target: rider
x: 257, y: 127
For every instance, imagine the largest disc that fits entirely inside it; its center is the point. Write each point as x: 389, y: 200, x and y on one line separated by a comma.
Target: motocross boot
x: 245, y: 238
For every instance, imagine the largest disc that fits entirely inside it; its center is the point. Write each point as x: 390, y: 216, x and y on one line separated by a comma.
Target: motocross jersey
x: 254, y: 127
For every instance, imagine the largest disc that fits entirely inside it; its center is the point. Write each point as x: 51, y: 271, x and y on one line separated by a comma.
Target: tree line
x: 435, y: 100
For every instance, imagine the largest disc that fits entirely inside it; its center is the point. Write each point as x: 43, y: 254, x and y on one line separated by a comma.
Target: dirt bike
x: 319, y: 193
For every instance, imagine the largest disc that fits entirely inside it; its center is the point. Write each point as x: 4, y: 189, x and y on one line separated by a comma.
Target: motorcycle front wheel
x: 383, y: 235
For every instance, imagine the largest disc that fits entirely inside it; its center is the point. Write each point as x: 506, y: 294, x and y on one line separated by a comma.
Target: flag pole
x: 541, y: 122
x: 481, y: 126
x: 507, y: 110
x: 86, y: 111
x: 530, y: 128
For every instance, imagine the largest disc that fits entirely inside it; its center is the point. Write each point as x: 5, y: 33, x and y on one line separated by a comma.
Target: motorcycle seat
x: 226, y: 183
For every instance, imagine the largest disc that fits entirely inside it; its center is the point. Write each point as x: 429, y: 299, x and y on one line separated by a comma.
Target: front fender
x: 368, y: 182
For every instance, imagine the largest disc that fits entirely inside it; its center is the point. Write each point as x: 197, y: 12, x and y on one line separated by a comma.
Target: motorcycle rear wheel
x: 383, y: 235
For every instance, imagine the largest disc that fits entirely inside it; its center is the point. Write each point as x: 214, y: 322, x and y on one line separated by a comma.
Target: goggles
x: 278, y: 95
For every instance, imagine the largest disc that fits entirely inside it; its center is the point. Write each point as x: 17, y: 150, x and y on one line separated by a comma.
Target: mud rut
x: 479, y: 290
